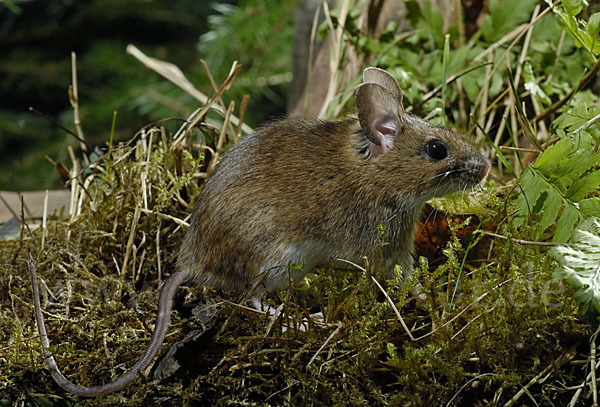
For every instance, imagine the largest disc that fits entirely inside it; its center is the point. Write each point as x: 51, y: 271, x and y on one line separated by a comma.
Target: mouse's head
x: 421, y: 160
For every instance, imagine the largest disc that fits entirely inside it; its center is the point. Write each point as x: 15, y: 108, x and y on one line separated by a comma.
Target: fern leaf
x: 552, y: 205
x: 566, y: 223
x: 590, y: 207
x: 548, y: 159
x: 583, y: 186
x: 533, y: 187
x: 573, y: 167
x: 563, y: 175
x: 573, y: 119
x: 579, y: 265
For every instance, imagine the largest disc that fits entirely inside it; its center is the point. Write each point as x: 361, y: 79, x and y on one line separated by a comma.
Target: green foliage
x: 564, y: 179
x: 505, y: 16
x: 579, y: 117
x: 533, y: 85
x: 257, y: 34
x: 585, y: 34
x: 428, y: 21
x: 562, y: 176
x: 579, y: 264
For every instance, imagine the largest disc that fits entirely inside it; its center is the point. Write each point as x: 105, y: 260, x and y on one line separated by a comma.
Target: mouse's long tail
x: 165, y: 303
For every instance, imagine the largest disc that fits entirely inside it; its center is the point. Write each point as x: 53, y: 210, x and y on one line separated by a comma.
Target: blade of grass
x: 444, y: 83
x: 525, y: 123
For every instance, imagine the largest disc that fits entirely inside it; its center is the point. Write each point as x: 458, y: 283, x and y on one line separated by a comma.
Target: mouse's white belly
x: 292, y: 262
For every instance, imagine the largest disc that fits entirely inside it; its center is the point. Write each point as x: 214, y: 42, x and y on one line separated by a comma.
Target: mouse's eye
x: 436, y: 150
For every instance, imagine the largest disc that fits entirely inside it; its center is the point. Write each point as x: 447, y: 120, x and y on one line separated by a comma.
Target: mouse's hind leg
x: 315, y: 319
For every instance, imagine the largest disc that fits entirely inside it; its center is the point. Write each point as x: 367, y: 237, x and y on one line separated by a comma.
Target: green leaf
x: 552, y: 205
x: 487, y: 25
x: 575, y: 117
x: 593, y: 25
x: 532, y: 191
x: 434, y: 22
x: 567, y: 160
x: 505, y: 17
x: 532, y: 187
x: 590, y: 207
x: 573, y: 167
x: 584, y: 186
x: 580, y: 267
x: 522, y: 203
x: 553, y: 154
x: 566, y: 222
x: 572, y: 7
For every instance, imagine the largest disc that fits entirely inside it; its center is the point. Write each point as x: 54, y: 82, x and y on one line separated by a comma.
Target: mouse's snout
x: 485, y: 169
x: 476, y: 169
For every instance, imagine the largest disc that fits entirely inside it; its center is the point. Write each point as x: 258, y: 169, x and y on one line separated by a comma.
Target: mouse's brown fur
x: 300, y: 192
x: 305, y: 184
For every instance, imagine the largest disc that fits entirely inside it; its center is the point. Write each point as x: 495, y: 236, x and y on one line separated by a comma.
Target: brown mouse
x: 306, y: 192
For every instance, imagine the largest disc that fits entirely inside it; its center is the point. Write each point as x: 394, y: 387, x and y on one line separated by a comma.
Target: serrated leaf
x: 573, y: 167
x: 566, y: 222
x: 576, y: 117
x: 580, y: 267
x: 583, y: 186
x: 572, y: 7
x: 532, y: 187
x: 529, y: 192
x: 590, y: 207
x: 552, y: 205
x: 553, y: 154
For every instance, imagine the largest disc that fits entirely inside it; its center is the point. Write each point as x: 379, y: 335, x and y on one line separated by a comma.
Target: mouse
x: 298, y: 194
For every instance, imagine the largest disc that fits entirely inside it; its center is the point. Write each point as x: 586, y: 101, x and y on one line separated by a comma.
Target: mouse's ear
x: 383, y: 78
x: 379, y: 114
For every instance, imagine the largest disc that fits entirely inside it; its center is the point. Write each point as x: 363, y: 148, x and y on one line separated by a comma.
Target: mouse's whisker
x: 443, y: 175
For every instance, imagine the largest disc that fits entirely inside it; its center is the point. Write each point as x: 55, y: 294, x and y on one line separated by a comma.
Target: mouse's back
x: 277, y: 198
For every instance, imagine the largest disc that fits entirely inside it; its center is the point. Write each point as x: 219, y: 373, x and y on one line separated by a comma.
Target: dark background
x: 36, y: 41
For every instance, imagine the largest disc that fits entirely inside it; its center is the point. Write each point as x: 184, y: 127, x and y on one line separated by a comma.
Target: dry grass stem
x: 329, y: 338
x: 337, y: 50
x: 129, y: 247
x: 74, y: 100
x: 556, y: 363
x: 216, y: 89
x: 174, y: 74
x: 311, y: 50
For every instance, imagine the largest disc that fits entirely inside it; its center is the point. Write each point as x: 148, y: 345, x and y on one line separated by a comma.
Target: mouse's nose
x: 485, y: 170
